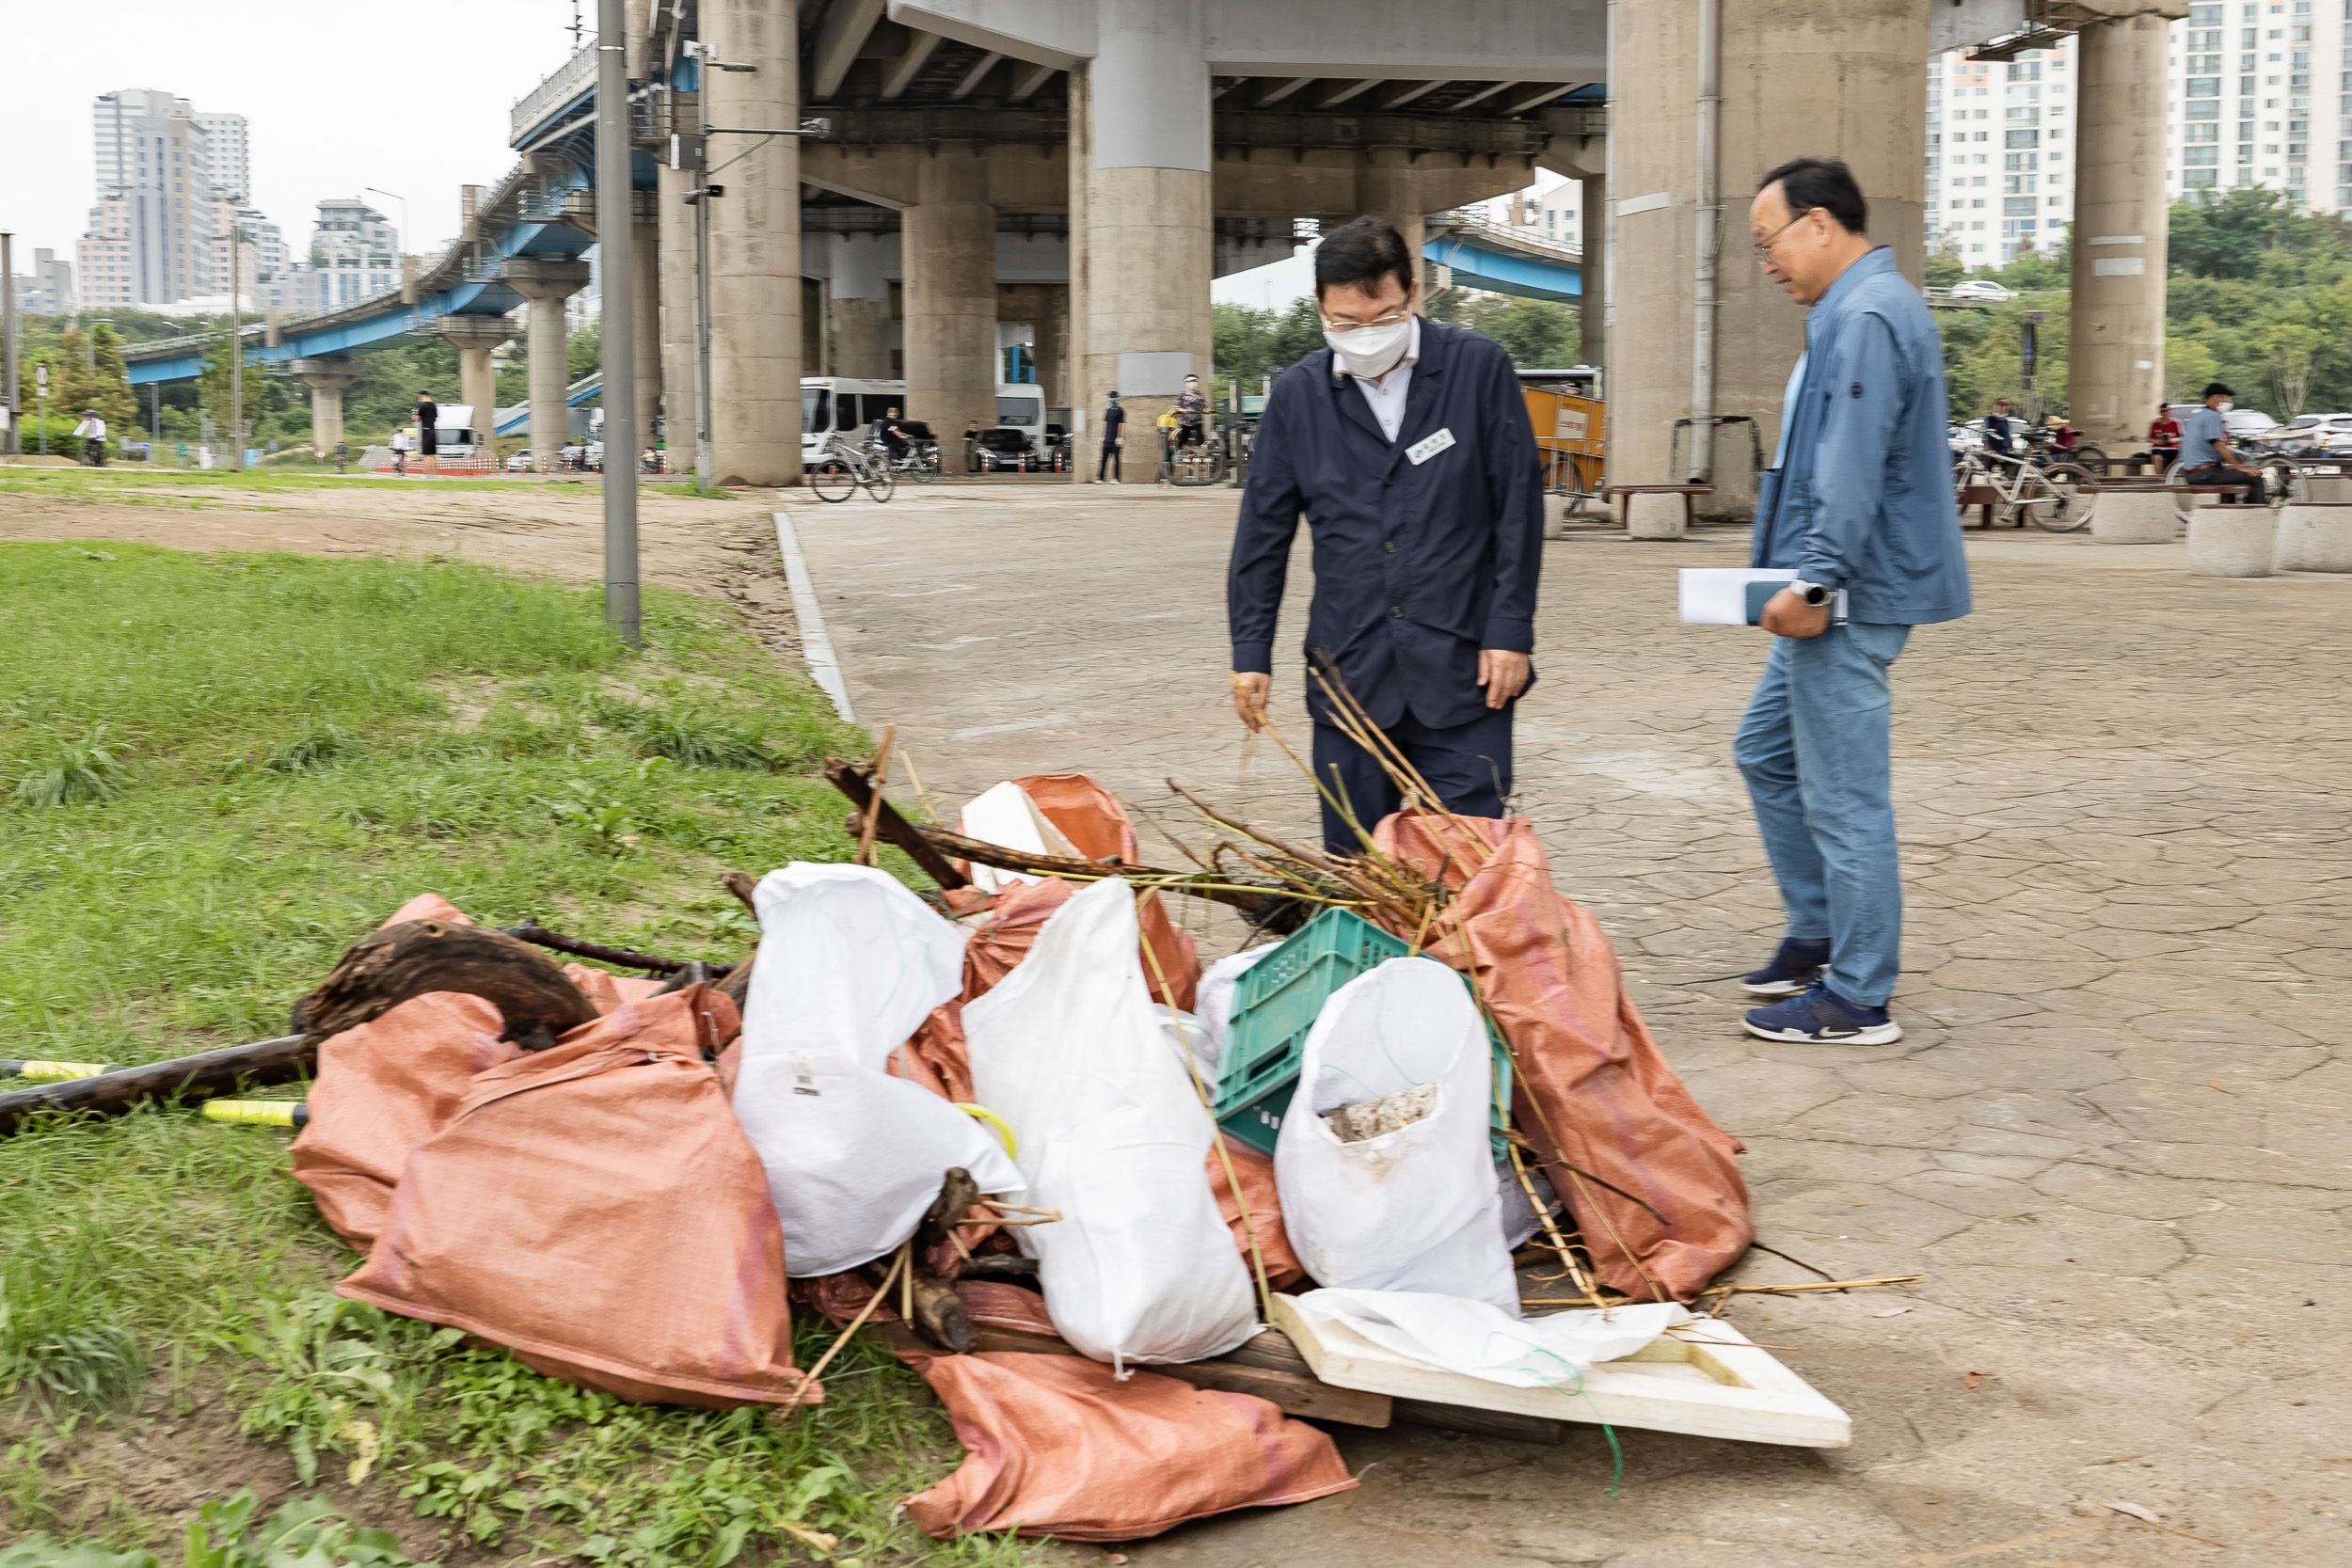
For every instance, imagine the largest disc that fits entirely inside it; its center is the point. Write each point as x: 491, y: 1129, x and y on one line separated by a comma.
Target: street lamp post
x: 616, y: 201
x: 237, y: 350
x: 9, y: 441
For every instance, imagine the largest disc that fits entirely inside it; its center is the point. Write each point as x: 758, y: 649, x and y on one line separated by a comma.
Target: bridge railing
x: 565, y: 83
x: 1472, y: 224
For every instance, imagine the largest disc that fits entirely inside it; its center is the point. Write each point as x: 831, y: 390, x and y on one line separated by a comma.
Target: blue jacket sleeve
x: 1515, y: 489
x: 1865, y: 392
x: 1270, y: 504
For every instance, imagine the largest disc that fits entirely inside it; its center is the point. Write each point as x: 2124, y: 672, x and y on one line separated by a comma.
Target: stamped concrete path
x: 2116, y: 1136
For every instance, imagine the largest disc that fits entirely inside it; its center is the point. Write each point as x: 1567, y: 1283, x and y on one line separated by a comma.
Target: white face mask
x: 2223, y: 406
x: 1371, y: 351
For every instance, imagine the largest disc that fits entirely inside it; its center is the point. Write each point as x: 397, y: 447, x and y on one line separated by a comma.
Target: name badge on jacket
x: 1422, y: 451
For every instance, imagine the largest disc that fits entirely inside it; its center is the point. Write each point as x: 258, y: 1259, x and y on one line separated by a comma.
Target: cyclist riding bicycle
x: 1192, y: 409
x: 891, y: 438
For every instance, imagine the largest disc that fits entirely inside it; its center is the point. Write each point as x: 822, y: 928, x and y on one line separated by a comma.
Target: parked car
x: 1981, y: 287
x: 2312, y: 435
x: 1005, y: 449
x: 519, y: 463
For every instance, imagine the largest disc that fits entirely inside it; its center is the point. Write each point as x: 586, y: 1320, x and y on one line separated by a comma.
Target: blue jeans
x: 1814, y: 749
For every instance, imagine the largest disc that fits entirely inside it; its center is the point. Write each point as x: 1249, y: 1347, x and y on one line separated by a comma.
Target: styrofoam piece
x: 1005, y: 815
x: 1706, y: 1379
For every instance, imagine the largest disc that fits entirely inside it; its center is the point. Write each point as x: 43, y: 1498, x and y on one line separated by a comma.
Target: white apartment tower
x: 151, y: 229
x: 2242, y: 99
x: 355, y: 252
x: 2000, y: 149
x: 225, y: 158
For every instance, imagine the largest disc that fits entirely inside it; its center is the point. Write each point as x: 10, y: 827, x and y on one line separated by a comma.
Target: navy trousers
x: 1467, y: 764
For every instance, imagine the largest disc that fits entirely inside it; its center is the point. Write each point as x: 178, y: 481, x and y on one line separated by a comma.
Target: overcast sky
x: 410, y: 99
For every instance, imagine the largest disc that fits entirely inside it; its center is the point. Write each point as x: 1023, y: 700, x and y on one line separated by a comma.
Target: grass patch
x: 135, y: 486
x: 283, y: 765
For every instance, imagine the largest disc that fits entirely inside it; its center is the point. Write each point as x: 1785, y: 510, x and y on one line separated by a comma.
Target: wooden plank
x: 1482, y: 1423
x: 1707, y: 1379
x: 1292, y: 1389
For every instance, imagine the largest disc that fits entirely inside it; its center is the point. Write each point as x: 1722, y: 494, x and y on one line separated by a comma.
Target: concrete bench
x: 2133, y: 514
x: 2231, y: 541
x: 1651, y: 512
x: 2315, y: 536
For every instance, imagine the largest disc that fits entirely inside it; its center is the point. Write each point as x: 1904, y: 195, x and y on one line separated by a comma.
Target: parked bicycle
x: 846, y: 466
x: 2049, y: 495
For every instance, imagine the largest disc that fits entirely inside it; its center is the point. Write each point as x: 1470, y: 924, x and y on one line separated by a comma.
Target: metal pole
x: 1711, y: 243
x: 616, y: 252
x: 9, y: 441
x: 236, y: 352
x: 705, y: 462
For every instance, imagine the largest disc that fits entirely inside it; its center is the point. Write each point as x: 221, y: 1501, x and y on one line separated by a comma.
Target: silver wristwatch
x: 1811, y: 592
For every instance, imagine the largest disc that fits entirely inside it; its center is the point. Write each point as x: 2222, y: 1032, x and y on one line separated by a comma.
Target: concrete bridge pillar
x: 1141, y: 237
x: 327, y: 379
x: 1829, y: 78
x: 546, y: 284
x: 1593, y: 314
x: 859, y: 310
x: 949, y: 254
x: 2115, y: 336
x: 1386, y: 186
x: 754, y: 244
x: 1046, y: 307
x: 476, y: 338
x: 645, y: 317
x: 674, y: 220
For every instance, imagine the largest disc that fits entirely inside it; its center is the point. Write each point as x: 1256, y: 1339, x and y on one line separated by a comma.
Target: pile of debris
x: 1010, y: 1128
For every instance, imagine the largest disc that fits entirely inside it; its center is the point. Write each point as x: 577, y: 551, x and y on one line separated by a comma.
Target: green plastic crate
x: 1277, y: 1004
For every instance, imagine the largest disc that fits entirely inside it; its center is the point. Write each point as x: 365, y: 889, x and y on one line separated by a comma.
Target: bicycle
x: 2048, y: 496
x: 920, y: 464
x: 1199, y: 463
x: 844, y: 467
x: 2282, y: 478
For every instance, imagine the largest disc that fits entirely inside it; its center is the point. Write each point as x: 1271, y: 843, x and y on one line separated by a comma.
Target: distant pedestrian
x: 1192, y: 411
x: 428, y: 432
x: 1114, y: 438
x: 2164, y: 439
x: 2001, y: 431
x: 971, y: 446
x: 1859, y: 502
x: 2063, y: 436
x: 2207, y: 456
x: 92, y: 430
x: 402, y: 442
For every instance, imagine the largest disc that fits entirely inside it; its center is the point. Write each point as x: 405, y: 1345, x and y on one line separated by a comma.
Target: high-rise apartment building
x: 227, y: 162
x: 355, y: 252
x: 2242, y: 99
x: 155, y: 193
x: 2001, y: 137
x: 47, y: 288
x: 2000, y: 151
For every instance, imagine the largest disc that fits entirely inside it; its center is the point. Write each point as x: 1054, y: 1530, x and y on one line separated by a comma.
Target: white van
x: 850, y: 406
x: 453, y: 434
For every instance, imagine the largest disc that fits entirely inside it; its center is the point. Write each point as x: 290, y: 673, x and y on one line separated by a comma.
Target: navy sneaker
x: 1794, y: 970
x: 1821, y: 1016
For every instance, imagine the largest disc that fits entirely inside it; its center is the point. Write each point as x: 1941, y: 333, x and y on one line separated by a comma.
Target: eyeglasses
x: 1389, y: 320
x: 1763, y: 248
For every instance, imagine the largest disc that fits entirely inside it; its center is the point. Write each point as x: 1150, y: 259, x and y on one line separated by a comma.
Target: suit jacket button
x: 1390, y: 547
x: 1396, y: 612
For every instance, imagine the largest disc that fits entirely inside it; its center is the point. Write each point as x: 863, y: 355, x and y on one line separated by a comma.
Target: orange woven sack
x: 596, y: 1208
x: 1593, y: 1091
x: 385, y: 1088
x: 1057, y: 1444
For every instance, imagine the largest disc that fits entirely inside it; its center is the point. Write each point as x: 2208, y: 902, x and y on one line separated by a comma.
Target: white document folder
x: 1718, y: 595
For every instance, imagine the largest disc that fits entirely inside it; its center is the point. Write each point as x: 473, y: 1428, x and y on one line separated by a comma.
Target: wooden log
x: 1505, y: 1424
x: 388, y: 967
x: 277, y: 1061
x: 539, y: 936
x: 881, y: 819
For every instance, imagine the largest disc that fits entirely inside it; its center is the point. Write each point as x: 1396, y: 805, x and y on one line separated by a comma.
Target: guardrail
x: 1475, y: 225
x: 565, y: 83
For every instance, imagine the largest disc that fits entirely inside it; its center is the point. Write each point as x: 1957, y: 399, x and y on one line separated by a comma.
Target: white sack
x: 1005, y: 815
x: 1213, y: 1004
x: 850, y: 965
x: 1473, y: 1339
x: 1070, y: 1049
x: 1412, y: 1209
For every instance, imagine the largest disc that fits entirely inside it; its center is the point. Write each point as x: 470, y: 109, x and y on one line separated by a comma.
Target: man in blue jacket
x: 1407, y: 445
x: 1859, y: 502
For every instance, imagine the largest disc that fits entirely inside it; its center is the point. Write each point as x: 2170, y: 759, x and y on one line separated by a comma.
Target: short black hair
x: 1823, y: 183
x: 2215, y: 389
x: 1358, y: 254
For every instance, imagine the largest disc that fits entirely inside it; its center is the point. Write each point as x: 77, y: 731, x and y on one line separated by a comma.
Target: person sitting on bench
x: 2206, y: 456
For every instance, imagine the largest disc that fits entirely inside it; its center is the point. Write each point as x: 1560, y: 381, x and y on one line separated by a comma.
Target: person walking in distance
x: 428, y: 434
x: 1859, y: 503
x: 2207, y: 457
x: 1406, y: 444
x: 92, y: 430
x: 2001, y: 430
x: 1114, y: 438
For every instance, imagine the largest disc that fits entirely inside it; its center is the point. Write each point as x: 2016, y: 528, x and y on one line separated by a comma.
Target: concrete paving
x: 2113, y: 1137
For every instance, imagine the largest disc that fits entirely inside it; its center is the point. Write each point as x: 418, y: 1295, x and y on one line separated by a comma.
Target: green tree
x: 2288, y: 351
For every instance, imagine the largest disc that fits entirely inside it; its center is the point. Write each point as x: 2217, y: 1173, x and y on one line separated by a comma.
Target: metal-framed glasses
x: 1763, y: 248
x: 1389, y: 320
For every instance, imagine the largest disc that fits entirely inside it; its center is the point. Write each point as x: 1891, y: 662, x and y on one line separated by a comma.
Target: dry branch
x: 534, y: 999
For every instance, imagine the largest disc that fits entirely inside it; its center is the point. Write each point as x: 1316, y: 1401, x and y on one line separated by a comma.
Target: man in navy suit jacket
x: 1406, y: 445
